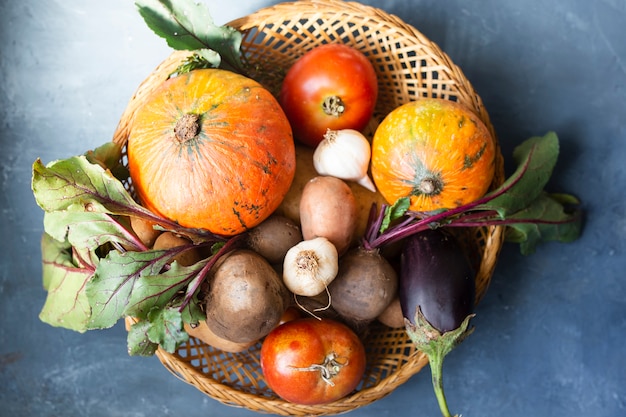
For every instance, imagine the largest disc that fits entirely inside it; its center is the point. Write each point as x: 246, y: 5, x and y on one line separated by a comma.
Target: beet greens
x: 97, y: 271
x: 530, y: 213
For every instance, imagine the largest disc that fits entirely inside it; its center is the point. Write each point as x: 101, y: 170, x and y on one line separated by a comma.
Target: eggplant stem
x: 436, y: 345
x: 436, y: 370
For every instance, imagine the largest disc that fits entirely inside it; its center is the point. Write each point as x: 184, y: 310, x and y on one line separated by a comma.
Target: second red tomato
x: 333, y: 86
x: 310, y: 361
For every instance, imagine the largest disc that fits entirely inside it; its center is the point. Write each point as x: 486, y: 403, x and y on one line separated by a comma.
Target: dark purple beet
x: 436, y: 275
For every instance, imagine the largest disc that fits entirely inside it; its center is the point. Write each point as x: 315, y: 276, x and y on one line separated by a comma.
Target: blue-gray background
x: 550, y: 334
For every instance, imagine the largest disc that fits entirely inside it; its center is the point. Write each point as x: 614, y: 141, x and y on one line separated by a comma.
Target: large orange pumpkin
x: 435, y: 151
x: 212, y: 150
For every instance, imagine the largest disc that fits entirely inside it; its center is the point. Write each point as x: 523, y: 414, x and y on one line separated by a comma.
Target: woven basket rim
x: 494, y: 237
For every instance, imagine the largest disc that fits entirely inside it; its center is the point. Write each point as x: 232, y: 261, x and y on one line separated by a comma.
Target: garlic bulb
x: 310, y: 266
x: 344, y: 154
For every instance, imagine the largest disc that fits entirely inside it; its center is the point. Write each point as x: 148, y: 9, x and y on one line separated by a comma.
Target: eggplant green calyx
x: 436, y: 345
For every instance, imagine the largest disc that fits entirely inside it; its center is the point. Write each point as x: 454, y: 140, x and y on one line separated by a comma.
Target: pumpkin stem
x: 333, y: 106
x: 430, y: 186
x: 187, y: 127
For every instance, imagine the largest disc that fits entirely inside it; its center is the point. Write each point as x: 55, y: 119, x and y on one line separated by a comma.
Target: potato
x: 392, y: 316
x: 169, y: 240
x: 274, y: 237
x: 144, y: 230
x: 328, y: 209
x: 204, y: 333
x: 246, y: 297
x: 305, y: 171
x: 292, y: 313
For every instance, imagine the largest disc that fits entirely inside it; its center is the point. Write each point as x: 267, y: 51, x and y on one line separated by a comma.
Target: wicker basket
x: 409, y: 66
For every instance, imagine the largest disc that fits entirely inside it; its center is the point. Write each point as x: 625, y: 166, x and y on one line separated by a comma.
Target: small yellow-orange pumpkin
x: 212, y: 150
x: 435, y: 151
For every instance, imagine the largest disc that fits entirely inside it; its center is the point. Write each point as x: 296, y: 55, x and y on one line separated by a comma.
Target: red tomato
x: 333, y: 86
x: 309, y: 361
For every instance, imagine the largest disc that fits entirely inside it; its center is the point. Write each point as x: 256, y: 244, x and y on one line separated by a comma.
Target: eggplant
x: 436, y: 290
x: 436, y: 275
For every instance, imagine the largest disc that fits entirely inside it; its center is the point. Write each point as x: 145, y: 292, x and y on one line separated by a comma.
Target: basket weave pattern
x: 409, y: 66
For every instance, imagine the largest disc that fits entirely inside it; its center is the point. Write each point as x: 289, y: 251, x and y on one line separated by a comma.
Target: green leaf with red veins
x: 66, y: 304
x: 162, y: 326
x: 188, y: 25
x: 109, y: 156
x: 112, y: 285
x: 138, y: 342
x: 166, y: 328
x: 535, y: 158
x: 90, y: 229
x: 551, y: 227
x: 78, y: 185
x: 193, y: 313
x: 134, y: 283
x: 395, y: 212
x: 150, y: 291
